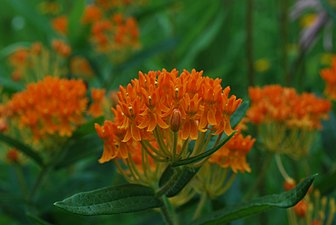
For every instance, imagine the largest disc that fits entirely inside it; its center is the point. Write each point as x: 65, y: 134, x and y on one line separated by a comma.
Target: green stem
x: 39, y: 180
x: 200, y: 205
x: 281, y: 167
x: 168, y: 213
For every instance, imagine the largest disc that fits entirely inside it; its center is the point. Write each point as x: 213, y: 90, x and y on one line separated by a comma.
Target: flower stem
x: 281, y: 167
x: 168, y: 213
x: 200, y: 205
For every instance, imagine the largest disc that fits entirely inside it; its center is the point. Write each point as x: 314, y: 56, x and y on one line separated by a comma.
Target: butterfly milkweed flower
x: 287, y: 121
x: 161, y: 113
x: 60, y: 24
x: 52, y: 106
x: 329, y: 76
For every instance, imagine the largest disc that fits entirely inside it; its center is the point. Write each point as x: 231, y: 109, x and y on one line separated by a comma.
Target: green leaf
x: 75, y: 21
x: 203, y: 155
x: 111, y: 200
x: 26, y: 150
x: 283, y: 200
x: 239, y: 114
x: 174, y: 179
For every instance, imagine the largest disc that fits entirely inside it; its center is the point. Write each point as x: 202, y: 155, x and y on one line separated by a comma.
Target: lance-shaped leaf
x: 239, y: 114
x: 203, y: 155
x: 111, y: 200
x: 283, y: 200
x: 25, y: 149
x: 174, y: 179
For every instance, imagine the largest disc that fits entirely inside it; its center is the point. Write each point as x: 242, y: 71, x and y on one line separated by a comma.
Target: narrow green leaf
x: 203, y: 155
x: 77, y: 30
x: 176, y: 178
x: 283, y: 200
x: 239, y: 114
x: 111, y: 200
x: 26, y: 150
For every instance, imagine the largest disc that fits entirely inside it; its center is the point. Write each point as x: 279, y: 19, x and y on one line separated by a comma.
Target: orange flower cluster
x: 60, y: 24
x: 115, y: 34
x: 160, y: 103
x: 34, y: 62
x: 233, y: 154
x: 52, y: 106
x: 79, y: 66
x: 329, y: 76
x: 278, y: 104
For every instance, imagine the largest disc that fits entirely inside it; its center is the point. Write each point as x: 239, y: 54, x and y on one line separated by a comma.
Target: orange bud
x: 289, y: 184
x: 3, y: 125
x: 316, y: 222
x: 301, y: 208
x: 12, y: 156
x: 175, y: 120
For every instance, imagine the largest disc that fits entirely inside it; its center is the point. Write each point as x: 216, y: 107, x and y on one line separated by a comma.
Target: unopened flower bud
x: 175, y: 120
x: 316, y: 222
x: 289, y: 184
x: 12, y: 156
x: 301, y: 208
x: 3, y: 125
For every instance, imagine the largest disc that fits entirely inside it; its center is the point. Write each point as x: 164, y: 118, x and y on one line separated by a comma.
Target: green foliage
x: 283, y: 200
x: 111, y: 200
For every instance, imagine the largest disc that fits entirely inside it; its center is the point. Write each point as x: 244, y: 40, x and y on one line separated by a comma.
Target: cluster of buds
x: 287, y: 121
x: 111, y: 33
x: 35, y: 62
x: 329, y: 76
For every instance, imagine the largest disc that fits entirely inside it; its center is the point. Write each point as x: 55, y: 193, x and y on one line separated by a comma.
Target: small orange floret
x: 92, y: 14
x: 12, y: 155
x: 233, y: 154
x: 96, y: 107
x: 289, y: 184
x: 60, y: 24
x: 329, y: 76
x: 50, y: 106
x: 301, y: 208
x: 61, y: 48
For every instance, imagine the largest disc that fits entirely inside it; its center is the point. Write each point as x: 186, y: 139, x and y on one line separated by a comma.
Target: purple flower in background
x: 310, y: 33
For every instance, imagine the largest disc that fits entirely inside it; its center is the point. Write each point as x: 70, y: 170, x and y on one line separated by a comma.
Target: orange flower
x: 233, y: 154
x: 150, y: 105
x: 51, y: 106
x: 80, y: 66
x: 60, y: 24
x: 274, y: 103
x: 116, y: 34
x: 92, y: 14
x: 61, y: 48
x: 96, y: 107
x: 329, y: 76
